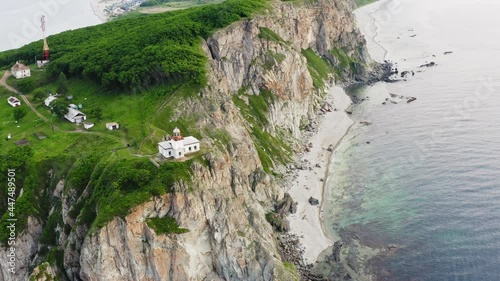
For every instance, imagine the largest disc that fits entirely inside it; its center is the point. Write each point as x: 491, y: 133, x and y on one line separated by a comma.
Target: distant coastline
x: 107, y: 9
x: 98, y: 10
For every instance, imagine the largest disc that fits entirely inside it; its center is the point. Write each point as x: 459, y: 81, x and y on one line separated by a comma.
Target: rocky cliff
x: 275, y: 57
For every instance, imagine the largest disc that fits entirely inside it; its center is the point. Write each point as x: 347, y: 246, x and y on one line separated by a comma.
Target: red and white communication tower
x: 46, y: 53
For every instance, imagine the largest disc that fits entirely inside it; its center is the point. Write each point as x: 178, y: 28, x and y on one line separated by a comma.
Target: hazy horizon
x: 20, y: 20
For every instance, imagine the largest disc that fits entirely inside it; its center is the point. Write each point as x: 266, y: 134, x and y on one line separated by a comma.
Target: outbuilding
x: 14, y: 102
x: 112, y: 126
x: 88, y: 125
x: 49, y: 99
x: 75, y: 116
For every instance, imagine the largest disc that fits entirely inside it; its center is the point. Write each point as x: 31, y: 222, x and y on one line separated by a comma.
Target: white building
x: 49, y: 99
x: 14, y: 102
x: 75, y: 116
x: 88, y: 125
x: 112, y: 126
x: 177, y: 146
x: 42, y: 63
x: 20, y: 70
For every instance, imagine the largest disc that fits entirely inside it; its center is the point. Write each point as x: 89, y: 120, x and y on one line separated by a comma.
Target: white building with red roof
x: 177, y: 146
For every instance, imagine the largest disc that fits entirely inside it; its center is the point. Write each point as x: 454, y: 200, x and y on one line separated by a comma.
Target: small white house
x: 42, y: 63
x: 20, y: 70
x: 112, y: 126
x: 14, y: 102
x: 49, y: 99
x: 177, y: 146
x: 75, y: 116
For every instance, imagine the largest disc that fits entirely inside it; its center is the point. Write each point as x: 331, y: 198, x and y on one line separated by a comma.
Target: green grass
x: 267, y: 34
x: 220, y: 136
x: 361, y: 3
x: 141, y: 117
x: 271, y: 59
x: 292, y: 269
x: 318, y: 67
x: 44, y: 274
x: 165, y: 225
x: 119, y: 185
x: 345, y: 63
x: 271, y: 149
x: 258, y: 106
x: 30, y: 124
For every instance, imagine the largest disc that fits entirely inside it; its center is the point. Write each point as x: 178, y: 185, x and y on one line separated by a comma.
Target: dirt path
x: 3, y: 82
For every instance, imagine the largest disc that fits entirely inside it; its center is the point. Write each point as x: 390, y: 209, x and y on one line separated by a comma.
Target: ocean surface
x: 20, y: 19
x: 424, y: 177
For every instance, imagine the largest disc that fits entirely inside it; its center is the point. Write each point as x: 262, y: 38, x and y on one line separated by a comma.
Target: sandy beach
x: 306, y: 223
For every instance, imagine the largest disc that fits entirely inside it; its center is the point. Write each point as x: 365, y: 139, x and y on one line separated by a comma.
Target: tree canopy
x: 60, y: 107
x: 136, y: 53
x: 19, y: 113
x: 62, y: 84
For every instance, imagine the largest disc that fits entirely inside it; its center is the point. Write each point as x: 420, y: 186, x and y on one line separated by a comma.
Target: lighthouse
x: 177, y: 146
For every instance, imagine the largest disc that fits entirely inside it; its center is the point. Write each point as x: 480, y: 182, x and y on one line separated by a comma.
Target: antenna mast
x: 46, y: 53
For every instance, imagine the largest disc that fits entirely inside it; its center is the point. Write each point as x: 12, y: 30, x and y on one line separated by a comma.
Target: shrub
x: 165, y: 225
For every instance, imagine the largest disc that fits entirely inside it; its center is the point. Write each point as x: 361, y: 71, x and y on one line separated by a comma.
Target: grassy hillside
x: 136, y: 70
x: 138, y: 53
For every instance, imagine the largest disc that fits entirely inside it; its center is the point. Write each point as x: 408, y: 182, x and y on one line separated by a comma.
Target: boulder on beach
x: 313, y: 201
x: 285, y: 205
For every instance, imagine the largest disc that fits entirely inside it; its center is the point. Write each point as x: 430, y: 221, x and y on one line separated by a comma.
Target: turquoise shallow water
x: 428, y: 181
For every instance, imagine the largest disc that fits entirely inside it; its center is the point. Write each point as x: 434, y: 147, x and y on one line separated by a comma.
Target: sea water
x: 424, y: 177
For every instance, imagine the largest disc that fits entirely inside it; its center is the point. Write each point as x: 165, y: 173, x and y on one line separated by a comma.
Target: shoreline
x: 308, y: 224
x: 98, y: 9
x: 312, y: 176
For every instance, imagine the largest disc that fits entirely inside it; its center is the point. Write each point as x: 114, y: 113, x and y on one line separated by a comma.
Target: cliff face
x: 229, y: 238
x: 243, y: 57
x: 225, y: 205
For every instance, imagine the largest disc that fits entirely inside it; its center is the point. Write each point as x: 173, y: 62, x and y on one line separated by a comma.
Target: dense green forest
x: 139, y: 52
